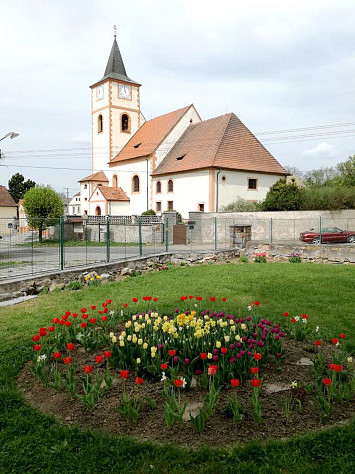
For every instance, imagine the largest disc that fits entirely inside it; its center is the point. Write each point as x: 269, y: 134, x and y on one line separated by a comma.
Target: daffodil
x: 114, y: 339
x: 138, y: 360
x: 294, y: 384
x: 140, y: 342
x: 145, y: 345
x: 121, y: 343
x: 218, y: 344
x: 209, y: 355
x: 129, y: 338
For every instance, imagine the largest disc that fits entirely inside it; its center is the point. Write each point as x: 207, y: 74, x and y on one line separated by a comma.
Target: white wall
x: 190, y: 189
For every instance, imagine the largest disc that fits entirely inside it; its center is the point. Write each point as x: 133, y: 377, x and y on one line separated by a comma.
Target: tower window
x: 158, y: 187
x: 170, y: 186
x: 114, y: 181
x: 125, y: 123
x: 100, y: 124
x: 135, y: 184
x: 201, y: 207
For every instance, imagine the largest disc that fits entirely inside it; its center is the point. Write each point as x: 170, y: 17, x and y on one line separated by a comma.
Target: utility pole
x: 67, y: 189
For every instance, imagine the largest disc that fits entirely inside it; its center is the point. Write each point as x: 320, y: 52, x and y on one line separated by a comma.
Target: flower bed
x: 197, y: 370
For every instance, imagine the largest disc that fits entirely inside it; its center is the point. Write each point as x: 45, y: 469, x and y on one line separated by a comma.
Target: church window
x: 170, y: 186
x: 135, y: 184
x: 158, y: 187
x: 100, y: 124
x: 158, y: 206
x: 114, y: 181
x: 170, y: 205
x: 125, y: 123
x: 85, y: 186
x: 252, y: 184
x: 98, y: 211
x: 201, y: 207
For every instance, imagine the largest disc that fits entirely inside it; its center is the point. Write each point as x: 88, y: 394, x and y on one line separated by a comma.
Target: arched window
x: 125, y: 123
x: 98, y: 211
x: 100, y: 124
x: 170, y: 186
x: 114, y: 181
x: 158, y: 187
x: 135, y: 184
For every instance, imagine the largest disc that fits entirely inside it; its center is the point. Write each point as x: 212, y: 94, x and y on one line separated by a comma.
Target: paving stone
x: 275, y: 387
x: 304, y: 361
x: 18, y: 300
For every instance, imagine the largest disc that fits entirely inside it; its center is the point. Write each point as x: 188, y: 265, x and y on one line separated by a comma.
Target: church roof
x: 113, y: 194
x: 6, y: 198
x: 115, y: 68
x: 99, y: 176
x: 221, y: 142
x: 150, y: 135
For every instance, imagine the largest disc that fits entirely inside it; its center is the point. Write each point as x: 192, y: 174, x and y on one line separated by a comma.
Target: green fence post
x: 215, y: 233
x: 140, y: 236
x: 270, y: 230
x: 61, y: 236
x: 107, y: 239
x: 166, y: 235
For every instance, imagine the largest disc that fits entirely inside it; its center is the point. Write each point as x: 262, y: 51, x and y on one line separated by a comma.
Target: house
x: 173, y: 161
x: 74, y: 205
x: 8, y: 212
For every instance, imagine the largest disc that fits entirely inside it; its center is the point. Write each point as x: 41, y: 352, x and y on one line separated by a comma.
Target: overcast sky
x: 278, y: 65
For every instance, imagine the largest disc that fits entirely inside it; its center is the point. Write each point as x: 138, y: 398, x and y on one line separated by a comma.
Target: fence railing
x: 74, y: 242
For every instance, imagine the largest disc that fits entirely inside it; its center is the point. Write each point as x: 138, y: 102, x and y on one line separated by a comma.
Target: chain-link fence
x: 73, y: 242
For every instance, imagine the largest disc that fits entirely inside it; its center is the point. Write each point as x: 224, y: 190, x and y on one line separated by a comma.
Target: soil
x: 220, y: 429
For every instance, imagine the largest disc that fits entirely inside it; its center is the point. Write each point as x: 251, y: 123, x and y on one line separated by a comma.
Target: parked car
x: 328, y: 236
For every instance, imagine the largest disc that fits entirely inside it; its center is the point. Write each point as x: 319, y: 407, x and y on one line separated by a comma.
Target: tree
x: 43, y: 207
x: 241, y: 205
x: 347, y: 171
x: 18, y: 186
x: 283, y: 197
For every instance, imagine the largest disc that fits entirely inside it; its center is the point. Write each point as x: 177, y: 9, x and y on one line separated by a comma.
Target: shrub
x: 150, y: 212
x: 241, y: 205
x: 283, y: 197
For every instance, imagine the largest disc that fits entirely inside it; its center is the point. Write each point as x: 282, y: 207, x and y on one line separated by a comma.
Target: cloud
x: 323, y: 150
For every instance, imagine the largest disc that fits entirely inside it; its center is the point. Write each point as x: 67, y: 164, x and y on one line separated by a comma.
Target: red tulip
x: 135, y: 300
x: 104, y: 305
x: 42, y: 331
x: 155, y: 299
x: 100, y: 312
x: 163, y: 366
x: 139, y: 381
x: 257, y: 356
x: 342, y: 335
x: 93, y: 307
x: 212, y: 369
x: 37, y: 347
x: 304, y: 316
x: 256, y: 382
x: 182, y: 298
x: 83, y: 310
x: 68, y: 324
x: 335, y: 340
x: 92, y: 320
x: 178, y: 382
x: 224, y: 350
x: 172, y: 352
x: 55, y: 320
x: 83, y: 325
x: 67, y: 360
x: 99, y: 359
x: 256, y: 303
x: 75, y: 315
x: 212, y: 299
x: 338, y: 368
x: 203, y: 355
x: 36, y: 338
x: 51, y: 328
x: 67, y: 313
x: 57, y: 355
x: 108, y: 301
x: 318, y: 343
x: 293, y: 320
x: 107, y: 354
x: 331, y: 366
x: 125, y: 305
x: 190, y: 297
x: 88, y: 369
x: 65, y: 317
x: 124, y: 374
x: 235, y: 383
x: 85, y: 316
x: 106, y: 310
x: 327, y: 381
x: 104, y: 318
x: 224, y: 300
x: 70, y: 346
x: 254, y: 370
x: 286, y: 314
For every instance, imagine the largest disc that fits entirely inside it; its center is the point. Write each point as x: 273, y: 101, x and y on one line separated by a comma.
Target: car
x: 328, y: 235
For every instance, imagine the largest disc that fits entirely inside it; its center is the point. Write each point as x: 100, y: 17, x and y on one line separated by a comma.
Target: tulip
x: 70, y: 346
x: 67, y: 360
x: 139, y: 381
x: 88, y: 368
x: 254, y: 370
x: 107, y: 354
x: 57, y: 355
x: 257, y: 356
x: 235, y: 383
x: 256, y: 383
x: 99, y: 359
x: 124, y: 374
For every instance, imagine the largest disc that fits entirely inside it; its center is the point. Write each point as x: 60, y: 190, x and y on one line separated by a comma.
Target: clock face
x: 99, y: 93
x: 124, y: 91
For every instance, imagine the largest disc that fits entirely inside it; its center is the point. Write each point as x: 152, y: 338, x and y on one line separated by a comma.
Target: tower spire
x: 114, y: 31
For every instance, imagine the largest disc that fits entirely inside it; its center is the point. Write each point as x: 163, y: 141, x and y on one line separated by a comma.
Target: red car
x: 328, y: 236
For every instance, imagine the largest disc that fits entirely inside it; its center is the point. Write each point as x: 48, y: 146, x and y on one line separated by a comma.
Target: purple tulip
x: 242, y: 320
x: 176, y: 359
x: 160, y: 347
x: 187, y: 361
x: 278, y: 354
x: 250, y: 353
x: 215, y: 351
x: 239, y: 355
x: 242, y: 353
x: 198, y: 372
x: 239, y: 345
x: 202, y: 313
x: 231, y: 346
x: 215, y: 358
x: 248, y: 318
x: 232, y: 360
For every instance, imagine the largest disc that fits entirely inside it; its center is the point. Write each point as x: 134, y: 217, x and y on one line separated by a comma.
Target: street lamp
x: 10, y: 135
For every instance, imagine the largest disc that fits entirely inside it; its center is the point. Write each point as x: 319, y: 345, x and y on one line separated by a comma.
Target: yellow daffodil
x: 209, y: 356
x: 138, y: 360
x: 226, y: 338
x: 243, y: 326
x: 112, y: 334
x: 145, y: 346
x: 218, y: 344
x: 140, y: 342
x: 114, y: 339
x: 121, y: 344
x: 129, y: 338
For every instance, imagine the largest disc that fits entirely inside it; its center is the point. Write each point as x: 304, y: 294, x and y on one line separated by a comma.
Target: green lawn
x: 32, y: 442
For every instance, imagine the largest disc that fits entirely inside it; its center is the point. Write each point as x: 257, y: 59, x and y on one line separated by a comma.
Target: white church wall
x: 235, y: 186
x: 119, y: 208
x: 100, y: 141
x: 190, y: 190
x: 175, y: 134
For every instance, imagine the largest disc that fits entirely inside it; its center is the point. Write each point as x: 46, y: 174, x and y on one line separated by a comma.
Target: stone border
x: 35, y: 284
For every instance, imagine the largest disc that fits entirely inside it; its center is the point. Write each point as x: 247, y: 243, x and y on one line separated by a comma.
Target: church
x: 175, y: 161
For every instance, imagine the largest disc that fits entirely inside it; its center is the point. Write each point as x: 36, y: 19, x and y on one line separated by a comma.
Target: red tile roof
x: 99, y: 176
x: 6, y: 198
x: 221, y: 142
x: 113, y: 194
x: 150, y: 135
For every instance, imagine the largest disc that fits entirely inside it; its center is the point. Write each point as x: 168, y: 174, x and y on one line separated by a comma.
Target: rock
x: 275, y: 388
x: 105, y: 276
x: 5, y: 296
x: 17, y: 294
x: 31, y: 290
x: 125, y: 271
x: 192, y: 409
x: 54, y: 286
x: 305, y: 361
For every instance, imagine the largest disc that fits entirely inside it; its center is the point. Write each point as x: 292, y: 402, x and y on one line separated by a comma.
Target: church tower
x: 115, y: 111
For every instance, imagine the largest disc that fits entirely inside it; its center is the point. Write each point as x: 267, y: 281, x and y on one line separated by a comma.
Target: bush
x: 150, y: 212
x: 283, y: 197
x: 328, y: 198
x: 241, y: 205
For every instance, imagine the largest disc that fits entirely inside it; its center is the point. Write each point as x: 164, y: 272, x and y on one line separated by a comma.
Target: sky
x: 280, y: 66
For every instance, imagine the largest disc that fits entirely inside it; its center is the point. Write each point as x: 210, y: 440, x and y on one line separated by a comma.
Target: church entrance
x: 98, y: 211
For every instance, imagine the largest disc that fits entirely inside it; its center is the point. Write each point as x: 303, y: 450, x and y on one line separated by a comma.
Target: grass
x: 32, y: 442
x: 13, y: 262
